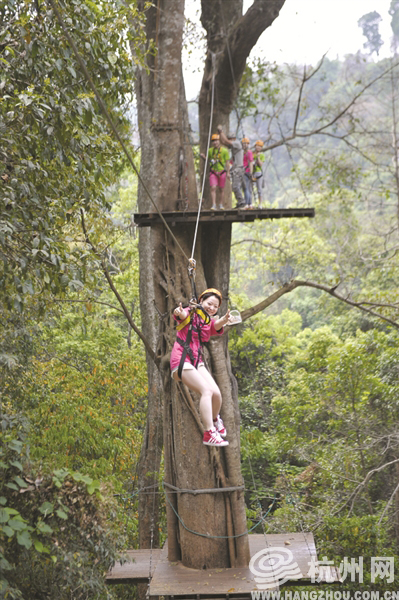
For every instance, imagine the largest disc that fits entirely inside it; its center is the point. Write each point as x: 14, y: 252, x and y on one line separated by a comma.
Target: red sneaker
x: 212, y: 438
x: 220, y: 428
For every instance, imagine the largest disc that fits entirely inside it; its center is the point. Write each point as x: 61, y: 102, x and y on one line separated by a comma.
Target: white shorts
x: 187, y: 366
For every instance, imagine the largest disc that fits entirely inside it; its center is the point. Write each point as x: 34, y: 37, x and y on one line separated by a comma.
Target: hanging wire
x: 298, y: 513
x: 148, y: 594
x: 206, y: 156
x: 271, y: 562
x: 218, y: 537
x: 109, y: 119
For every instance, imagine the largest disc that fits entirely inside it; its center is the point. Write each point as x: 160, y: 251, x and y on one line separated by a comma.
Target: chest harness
x: 216, y: 158
x: 257, y: 166
x: 194, y: 325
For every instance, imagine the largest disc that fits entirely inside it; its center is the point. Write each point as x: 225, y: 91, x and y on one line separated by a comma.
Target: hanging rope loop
x: 192, y: 265
x: 207, y: 150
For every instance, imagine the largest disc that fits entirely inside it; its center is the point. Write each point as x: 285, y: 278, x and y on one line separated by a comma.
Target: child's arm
x: 219, y: 323
x: 180, y: 312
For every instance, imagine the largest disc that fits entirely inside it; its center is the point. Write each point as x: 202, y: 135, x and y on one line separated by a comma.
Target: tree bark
x: 204, y: 530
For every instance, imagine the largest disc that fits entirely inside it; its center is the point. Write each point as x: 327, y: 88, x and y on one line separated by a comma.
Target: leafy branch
x: 332, y: 291
x: 100, y: 256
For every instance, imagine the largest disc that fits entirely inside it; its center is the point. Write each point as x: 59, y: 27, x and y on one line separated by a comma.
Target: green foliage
x: 315, y: 428
x: 91, y: 409
x: 68, y: 360
x: 56, y: 539
x: 56, y: 155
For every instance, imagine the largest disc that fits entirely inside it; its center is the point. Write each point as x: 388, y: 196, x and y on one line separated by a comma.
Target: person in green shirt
x: 257, y: 176
x: 219, y: 161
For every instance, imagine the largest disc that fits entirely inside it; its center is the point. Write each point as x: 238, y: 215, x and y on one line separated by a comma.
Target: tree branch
x: 88, y: 301
x: 239, y: 43
x: 361, y: 485
x: 322, y: 128
x: 115, y: 291
x: 388, y: 504
x: 288, y: 287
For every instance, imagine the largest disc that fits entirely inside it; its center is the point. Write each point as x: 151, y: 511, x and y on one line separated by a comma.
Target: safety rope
x: 223, y: 537
x: 148, y: 593
x: 109, y: 119
x: 271, y: 562
x: 237, y: 488
x: 299, y: 516
x: 206, y: 155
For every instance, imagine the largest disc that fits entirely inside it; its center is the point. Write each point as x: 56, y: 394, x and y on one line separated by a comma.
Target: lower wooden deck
x: 295, y: 550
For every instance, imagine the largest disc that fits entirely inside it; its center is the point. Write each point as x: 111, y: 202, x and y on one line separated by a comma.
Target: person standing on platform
x: 259, y: 159
x: 219, y: 161
x: 237, y: 169
x: 248, y: 162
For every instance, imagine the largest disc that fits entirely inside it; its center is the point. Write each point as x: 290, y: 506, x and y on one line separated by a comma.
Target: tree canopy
x: 315, y: 359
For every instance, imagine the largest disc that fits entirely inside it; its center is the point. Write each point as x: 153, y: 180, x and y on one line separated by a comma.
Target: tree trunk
x: 167, y: 167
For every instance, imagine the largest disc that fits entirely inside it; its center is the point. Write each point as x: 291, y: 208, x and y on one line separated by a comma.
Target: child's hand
x: 179, y: 312
x: 219, y: 323
x: 223, y: 320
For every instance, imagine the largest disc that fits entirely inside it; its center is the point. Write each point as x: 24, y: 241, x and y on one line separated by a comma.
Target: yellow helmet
x: 215, y: 136
x: 212, y: 291
x: 245, y: 140
x: 259, y: 143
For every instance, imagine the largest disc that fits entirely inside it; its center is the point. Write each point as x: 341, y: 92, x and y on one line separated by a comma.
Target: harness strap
x: 183, y: 323
x: 200, y: 312
x: 187, y: 350
x: 217, y: 155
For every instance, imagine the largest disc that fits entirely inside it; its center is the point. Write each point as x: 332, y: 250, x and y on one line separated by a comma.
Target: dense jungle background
x: 317, y: 370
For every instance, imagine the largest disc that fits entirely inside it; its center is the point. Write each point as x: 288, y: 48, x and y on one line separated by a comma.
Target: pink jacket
x: 248, y: 157
x: 206, y: 332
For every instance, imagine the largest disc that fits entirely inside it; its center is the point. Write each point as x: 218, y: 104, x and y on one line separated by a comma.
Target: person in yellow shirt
x: 219, y: 160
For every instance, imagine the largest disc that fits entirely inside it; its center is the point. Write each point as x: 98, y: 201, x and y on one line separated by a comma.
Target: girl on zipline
x: 195, y: 326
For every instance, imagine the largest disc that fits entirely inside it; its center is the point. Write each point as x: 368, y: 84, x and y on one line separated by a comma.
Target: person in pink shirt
x: 248, y: 170
x: 196, y: 324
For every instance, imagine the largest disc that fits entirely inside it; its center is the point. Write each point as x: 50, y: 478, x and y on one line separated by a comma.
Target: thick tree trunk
x: 161, y: 131
x: 204, y: 530
x: 164, y: 282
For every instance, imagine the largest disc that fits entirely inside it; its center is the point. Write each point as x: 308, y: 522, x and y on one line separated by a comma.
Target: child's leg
x: 216, y: 395
x: 222, y: 183
x: 194, y: 380
x: 259, y: 183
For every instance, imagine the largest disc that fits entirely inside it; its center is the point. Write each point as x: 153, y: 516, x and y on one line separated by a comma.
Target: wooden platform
x: 137, y: 569
x: 173, y: 579
x: 232, y: 215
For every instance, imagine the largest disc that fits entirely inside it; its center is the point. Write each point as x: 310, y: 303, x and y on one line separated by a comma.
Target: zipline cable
x: 206, y: 155
x: 109, y: 118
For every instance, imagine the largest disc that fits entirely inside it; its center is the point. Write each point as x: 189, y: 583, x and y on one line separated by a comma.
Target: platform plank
x: 136, y: 569
x: 232, y: 215
x: 173, y: 579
